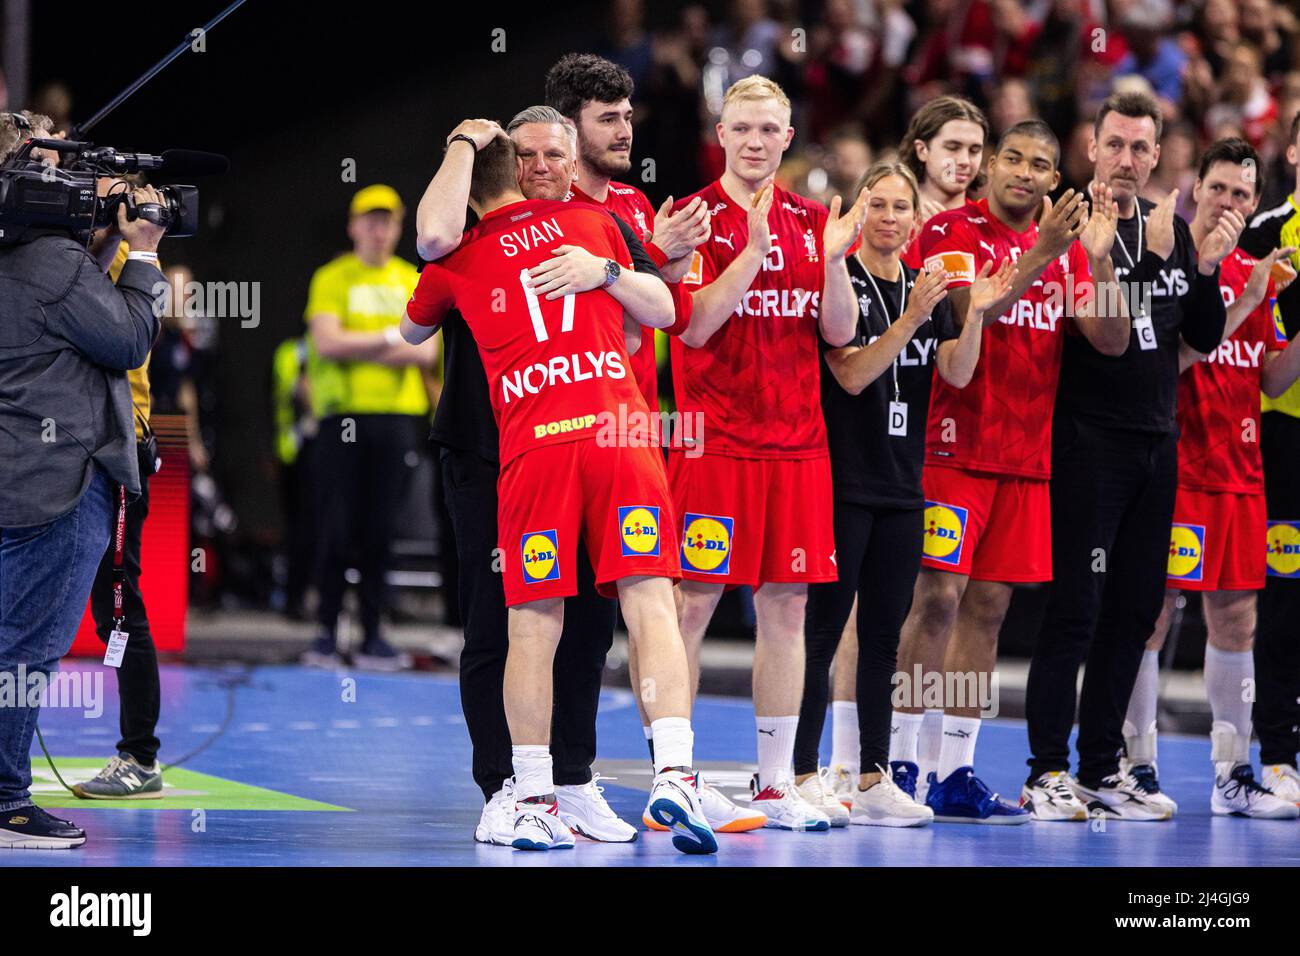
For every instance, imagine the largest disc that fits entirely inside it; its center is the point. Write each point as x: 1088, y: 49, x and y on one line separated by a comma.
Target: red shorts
x: 616, y: 498
x: 754, y: 521
x: 989, y: 527
x: 1215, y: 544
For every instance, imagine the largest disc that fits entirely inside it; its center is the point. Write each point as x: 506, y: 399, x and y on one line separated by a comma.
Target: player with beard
x: 557, y: 366
x: 988, y: 439
x: 1220, y: 516
x: 463, y: 428
x: 1114, y: 479
x: 754, y: 497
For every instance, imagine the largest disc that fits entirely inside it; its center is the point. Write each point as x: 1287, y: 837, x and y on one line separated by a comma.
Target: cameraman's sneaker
x: 538, y: 826
x: 816, y: 792
x: 584, y: 811
x: 1120, y: 797
x: 963, y: 798
x: 124, y: 778
x: 31, y: 828
x: 785, y: 807
x: 496, y: 825
x: 1283, y: 780
x: 886, y: 804
x: 377, y: 654
x: 1237, y: 793
x: 1051, y: 796
x: 324, y: 653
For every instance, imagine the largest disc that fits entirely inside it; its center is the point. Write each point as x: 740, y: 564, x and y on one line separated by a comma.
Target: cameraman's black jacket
x: 67, y: 338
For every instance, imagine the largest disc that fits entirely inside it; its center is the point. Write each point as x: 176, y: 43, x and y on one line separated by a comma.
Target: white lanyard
x: 889, y: 323
x: 1132, y: 263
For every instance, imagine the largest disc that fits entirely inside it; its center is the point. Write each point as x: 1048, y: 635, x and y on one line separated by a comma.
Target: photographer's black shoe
x: 322, y: 653
x: 377, y: 654
x: 31, y: 828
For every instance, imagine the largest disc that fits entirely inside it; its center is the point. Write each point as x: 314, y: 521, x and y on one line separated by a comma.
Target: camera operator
x: 67, y: 460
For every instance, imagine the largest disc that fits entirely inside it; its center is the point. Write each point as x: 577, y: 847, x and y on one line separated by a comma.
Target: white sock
x: 533, y: 776
x: 1140, y: 721
x: 673, y: 742
x: 775, y: 748
x: 845, y: 750
x: 904, y: 733
x: 958, y: 748
x: 929, y: 743
x: 1226, y: 674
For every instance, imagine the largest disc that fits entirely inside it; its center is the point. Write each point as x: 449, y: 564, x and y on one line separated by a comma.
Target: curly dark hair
x: 578, y: 78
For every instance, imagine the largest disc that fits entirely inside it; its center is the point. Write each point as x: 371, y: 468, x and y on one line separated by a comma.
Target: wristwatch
x: 612, y: 272
x: 469, y: 139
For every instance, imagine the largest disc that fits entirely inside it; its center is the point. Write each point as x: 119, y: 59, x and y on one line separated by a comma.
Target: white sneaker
x: 584, y: 811
x: 496, y: 825
x: 538, y: 826
x: 1120, y: 798
x: 886, y: 804
x: 1051, y: 797
x: 1147, y: 778
x: 841, y: 782
x: 675, y: 805
x: 785, y: 807
x: 1283, y: 780
x: 723, y: 815
x: 1237, y: 793
x: 816, y: 792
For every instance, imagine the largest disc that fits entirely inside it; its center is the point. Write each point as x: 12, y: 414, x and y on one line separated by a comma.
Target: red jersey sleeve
x: 433, y: 297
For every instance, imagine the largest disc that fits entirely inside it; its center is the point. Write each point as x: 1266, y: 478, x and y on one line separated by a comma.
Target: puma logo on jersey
x: 940, y: 227
x: 726, y: 242
x: 988, y: 246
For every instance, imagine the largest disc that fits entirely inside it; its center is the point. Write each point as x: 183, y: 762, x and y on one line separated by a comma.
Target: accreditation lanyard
x: 117, y: 637
x: 889, y: 323
x: 896, y: 422
x: 1142, y: 324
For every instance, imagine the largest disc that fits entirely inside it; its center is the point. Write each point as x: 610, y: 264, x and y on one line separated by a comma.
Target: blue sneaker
x: 963, y: 798
x: 905, y: 774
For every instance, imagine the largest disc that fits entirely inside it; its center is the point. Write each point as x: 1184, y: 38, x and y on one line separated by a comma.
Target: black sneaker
x: 376, y: 654
x: 322, y: 653
x: 31, y: 828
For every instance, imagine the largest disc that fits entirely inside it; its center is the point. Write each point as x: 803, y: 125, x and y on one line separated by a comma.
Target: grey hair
x: 545, y: 114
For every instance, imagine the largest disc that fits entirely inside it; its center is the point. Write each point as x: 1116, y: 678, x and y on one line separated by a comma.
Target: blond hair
x: 756, y: 88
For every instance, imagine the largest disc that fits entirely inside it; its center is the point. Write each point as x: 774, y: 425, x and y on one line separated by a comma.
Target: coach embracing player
x: 1114, y: 478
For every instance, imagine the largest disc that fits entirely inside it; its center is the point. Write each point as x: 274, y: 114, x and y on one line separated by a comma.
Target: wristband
x: 657, y: 255
x: 467, y: 139
x: 146, y: 256
x: 394, y: 335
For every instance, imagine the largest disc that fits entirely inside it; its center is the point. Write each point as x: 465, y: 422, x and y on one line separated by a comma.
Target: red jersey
x: 631, y: 205
x: 756, y: 381
x: 553, y: 367
x: 1001, y: 422
x: 911, y: 256
x: 1218, y: 396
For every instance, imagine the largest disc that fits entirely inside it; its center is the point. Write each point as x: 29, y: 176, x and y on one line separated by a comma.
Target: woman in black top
x: 875, y: 396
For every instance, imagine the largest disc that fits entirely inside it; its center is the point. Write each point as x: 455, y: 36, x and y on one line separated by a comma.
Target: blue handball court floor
x: 283, y: 766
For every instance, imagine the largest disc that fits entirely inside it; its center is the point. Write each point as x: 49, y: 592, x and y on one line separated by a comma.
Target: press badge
x: 1146, y: 332
x: 116, y: 648
x: 898, y: 419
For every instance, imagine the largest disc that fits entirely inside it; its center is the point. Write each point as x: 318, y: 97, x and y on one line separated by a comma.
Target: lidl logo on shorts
x: 1279, y: 330
x: 1187, y: 552
x: 945, y: 531
x: 706, y: 543
x: 638, y: 529
x: 1284, y: 549
x: 539, y: 551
